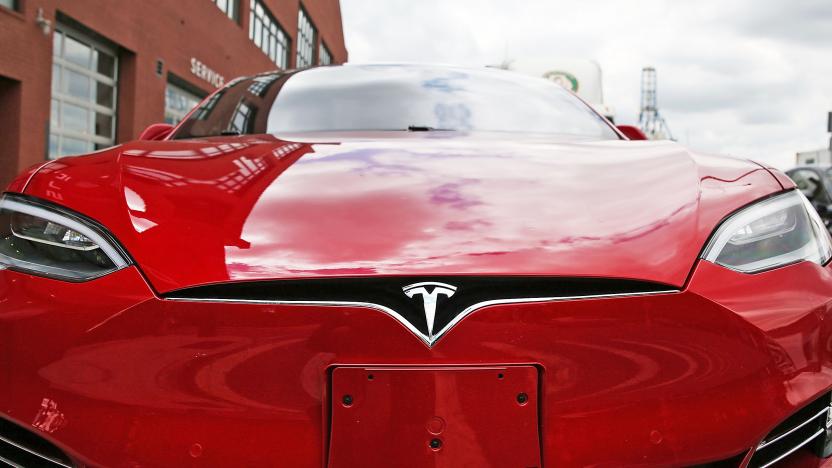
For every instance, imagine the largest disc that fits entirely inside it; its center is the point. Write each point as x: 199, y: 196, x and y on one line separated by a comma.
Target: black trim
x: 27, y: 448
x: 388, y: 292
x: 796, y: 430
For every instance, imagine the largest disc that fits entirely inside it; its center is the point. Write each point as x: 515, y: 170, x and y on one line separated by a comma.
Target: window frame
x: 245, y: 112
x: 258, y: 30
x: 62, y: 98
x: 323, y: 51
x: 177, y: 84
x: 302, y: 40
x: 231, y: 11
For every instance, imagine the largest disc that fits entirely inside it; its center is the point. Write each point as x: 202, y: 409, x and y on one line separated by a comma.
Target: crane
x: 650, y: 121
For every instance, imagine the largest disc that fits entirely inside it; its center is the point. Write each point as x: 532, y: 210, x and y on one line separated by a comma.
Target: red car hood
x: 220, y: 209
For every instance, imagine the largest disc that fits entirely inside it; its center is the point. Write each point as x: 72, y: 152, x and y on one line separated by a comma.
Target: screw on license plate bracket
x: 434, y: 416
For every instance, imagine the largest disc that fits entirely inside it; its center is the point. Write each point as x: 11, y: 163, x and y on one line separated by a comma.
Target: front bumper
x: 118, y: 377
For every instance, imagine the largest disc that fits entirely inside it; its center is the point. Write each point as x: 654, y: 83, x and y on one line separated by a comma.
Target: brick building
x: 80, y: 75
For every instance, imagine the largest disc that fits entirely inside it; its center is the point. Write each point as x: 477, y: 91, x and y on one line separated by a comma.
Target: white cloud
x: 751, y: 78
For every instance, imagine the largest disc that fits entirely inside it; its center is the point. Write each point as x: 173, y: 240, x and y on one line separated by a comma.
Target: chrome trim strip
x: 10, y: 463
x: 429, y: 283
x: 765, y: 443
x: 819, y: 432
x: 26, y: 449
x: 430, y: 341
x: 48, y: 242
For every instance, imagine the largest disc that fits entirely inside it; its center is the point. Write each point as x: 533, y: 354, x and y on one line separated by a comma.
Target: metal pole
x: 829, y: 129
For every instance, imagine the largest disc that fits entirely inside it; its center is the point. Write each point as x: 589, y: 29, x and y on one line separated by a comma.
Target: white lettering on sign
x: 200, y: 70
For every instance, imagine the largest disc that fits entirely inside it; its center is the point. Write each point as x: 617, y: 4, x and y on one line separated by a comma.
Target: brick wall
x: 144, y: 31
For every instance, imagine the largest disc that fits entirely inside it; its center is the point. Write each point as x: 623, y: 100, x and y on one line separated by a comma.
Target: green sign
x: 565, y: 79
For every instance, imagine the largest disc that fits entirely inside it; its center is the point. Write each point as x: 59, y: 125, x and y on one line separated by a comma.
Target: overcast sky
x: 750, y: 78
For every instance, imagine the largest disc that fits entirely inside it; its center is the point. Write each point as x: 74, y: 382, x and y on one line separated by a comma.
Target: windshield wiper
x: 421, y: 128
x: 229, y: 133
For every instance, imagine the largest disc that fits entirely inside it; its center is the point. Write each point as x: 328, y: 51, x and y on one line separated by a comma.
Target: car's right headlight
x: 42, y: 239
x: 777, y: 231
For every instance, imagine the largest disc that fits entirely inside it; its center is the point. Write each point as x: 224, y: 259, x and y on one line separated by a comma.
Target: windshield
x: 395, y: 98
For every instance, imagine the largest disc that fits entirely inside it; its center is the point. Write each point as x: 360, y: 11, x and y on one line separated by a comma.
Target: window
x: 266, y: 34
x: 261, y: 84
x: 10, y: 4
x: 324, y: 57
x: 229, y: 7
x: 204, y: 111
x: 83, y: 95
x: 306, y: 40
x: 241, y: 121
x: 396, y: 99
x: 178, y: 102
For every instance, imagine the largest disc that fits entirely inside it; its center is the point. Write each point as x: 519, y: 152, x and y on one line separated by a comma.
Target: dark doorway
x: 9, y: 129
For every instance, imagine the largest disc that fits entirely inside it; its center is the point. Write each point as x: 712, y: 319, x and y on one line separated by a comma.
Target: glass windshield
x: 394, y: 98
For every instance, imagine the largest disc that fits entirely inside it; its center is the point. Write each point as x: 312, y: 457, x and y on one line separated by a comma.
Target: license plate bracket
x: 434, y: 416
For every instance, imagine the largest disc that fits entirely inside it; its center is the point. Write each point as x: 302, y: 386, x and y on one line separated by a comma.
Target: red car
x: 410, y: 266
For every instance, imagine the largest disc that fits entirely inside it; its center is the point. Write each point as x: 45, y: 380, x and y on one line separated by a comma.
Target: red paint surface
x: 472, y: 413
x: 632, y: 132
x: 805, y: 459
x: 129, y: 379
x: 18, y: 184
x: 156, y: 132
x: 257, y: 208
x: 140, y: 380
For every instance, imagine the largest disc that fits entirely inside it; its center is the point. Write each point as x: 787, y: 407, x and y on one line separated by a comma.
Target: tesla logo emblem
x: 430, y: 292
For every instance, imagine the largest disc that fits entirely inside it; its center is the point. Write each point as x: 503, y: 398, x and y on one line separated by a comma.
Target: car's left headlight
x: 42, y: 239
x: 775, y: 232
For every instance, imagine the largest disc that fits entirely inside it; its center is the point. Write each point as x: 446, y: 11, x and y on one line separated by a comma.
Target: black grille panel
x: 21, y: 447
x: 387, y: 292
x: 378, y: 289
x: 803, y: 428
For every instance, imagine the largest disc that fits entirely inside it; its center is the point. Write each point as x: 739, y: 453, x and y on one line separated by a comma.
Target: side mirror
x: 156, y: 132
x: 632, y: 132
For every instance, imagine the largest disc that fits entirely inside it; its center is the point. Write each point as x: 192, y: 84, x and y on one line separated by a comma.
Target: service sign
x: 201, y: 71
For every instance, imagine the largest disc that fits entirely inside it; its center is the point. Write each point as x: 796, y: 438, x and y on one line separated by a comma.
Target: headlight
x: 45, y: 240
x: 778, y: 231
